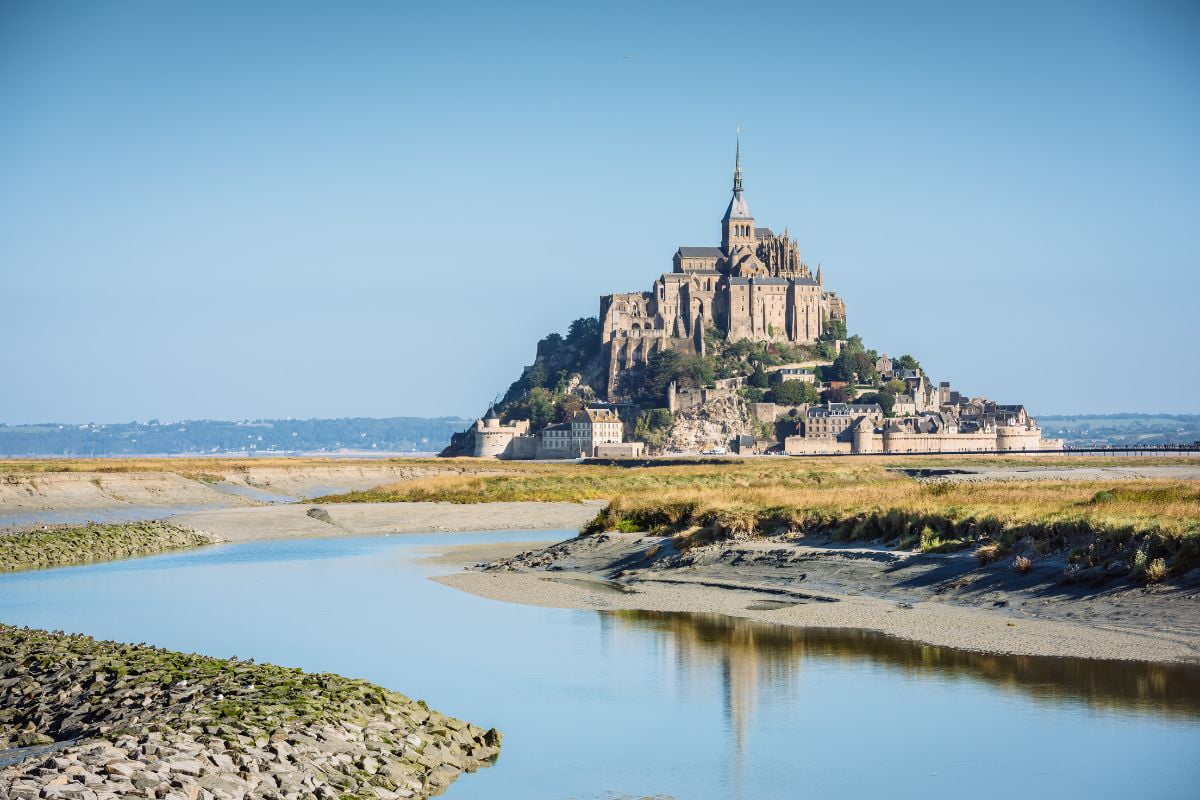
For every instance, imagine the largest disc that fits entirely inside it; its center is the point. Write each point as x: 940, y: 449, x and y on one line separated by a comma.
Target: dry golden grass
x: 852, y: 499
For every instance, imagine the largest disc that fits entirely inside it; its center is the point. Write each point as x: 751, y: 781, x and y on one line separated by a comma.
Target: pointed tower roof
x: 737, y: 206
x: 491, y: 413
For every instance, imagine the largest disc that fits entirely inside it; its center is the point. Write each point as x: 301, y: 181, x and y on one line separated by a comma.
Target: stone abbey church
x: 754, y: 286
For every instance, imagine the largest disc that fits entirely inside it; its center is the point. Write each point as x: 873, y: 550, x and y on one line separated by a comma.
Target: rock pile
x: 713, y: 424
x: 138, y: 721
x: 58, y: 545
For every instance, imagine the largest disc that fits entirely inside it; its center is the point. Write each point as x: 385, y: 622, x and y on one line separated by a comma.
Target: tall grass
x: 852, y: 500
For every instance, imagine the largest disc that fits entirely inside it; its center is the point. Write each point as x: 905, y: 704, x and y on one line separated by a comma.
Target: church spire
x: 737, y: 226
x: 737, y: 164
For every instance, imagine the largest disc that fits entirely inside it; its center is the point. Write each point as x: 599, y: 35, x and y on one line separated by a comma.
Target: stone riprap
x: 138, y: 721
x: 59, y: 545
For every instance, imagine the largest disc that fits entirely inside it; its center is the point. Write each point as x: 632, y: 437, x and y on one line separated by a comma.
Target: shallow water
x: 612, y: 704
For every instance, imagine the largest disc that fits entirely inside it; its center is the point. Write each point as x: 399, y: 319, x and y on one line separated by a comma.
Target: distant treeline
x: 396, y: 434
x: 1122, y: 429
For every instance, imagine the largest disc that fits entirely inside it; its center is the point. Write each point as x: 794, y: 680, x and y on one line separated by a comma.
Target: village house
x: 591, y: 432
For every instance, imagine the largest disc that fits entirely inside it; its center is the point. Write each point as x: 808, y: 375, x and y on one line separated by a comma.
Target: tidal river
x: 607, y: 705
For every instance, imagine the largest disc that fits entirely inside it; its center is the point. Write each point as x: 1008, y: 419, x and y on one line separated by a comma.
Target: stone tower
x: 737, y: 226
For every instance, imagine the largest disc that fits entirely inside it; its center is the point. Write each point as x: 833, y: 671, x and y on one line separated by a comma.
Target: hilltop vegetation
x: 567, y: 374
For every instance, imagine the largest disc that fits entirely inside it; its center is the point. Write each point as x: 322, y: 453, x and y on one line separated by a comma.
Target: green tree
x: 906, y: 362
x: 833, y: 329
x: 536, y: 376
x: 758, y: 378
x: 661, y: 368
x: 886, y: 401
x: 549, y: 346
x: 896, y: 387
x: 696, y: 371
x: 566, y: 407
x: 751, y: 394
x: 582, y: 331
x: 653, y: 425
x: 794, y: 393
x: 854, y: 363
x: 541, y: 408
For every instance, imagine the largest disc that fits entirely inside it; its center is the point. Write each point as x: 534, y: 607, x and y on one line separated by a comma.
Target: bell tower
x: 737, y: 226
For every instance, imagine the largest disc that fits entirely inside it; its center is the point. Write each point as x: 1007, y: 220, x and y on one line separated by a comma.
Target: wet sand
x: 940, y: 600
x: 371, y: 519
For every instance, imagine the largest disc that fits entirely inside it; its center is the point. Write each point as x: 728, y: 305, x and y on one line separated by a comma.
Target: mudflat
x: 942, y: 599
x: 369, y: 519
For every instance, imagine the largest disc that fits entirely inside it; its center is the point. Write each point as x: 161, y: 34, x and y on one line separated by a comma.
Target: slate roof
x: 763, y: 233
x: 737, y: 208
x: 700, y: 252
x: 844, y: 409
x: 597, y: 415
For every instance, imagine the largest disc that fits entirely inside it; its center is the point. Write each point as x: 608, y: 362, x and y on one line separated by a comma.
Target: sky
x: 310, y: 209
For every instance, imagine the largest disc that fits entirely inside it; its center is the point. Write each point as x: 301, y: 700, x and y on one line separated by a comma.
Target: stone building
x: 986, y: 428
x: 832, y: 420
x: 588, y: 429
x: 590, y: 432
x: 753, y: 286
x: 492, y: 439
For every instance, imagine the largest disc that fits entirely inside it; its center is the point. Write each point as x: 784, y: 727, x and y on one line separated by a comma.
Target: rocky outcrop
x: 712, y: 424
x: 58, y: 545
x: 137, y: 721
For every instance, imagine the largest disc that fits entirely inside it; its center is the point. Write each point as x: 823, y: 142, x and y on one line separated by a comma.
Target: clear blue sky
x: 228, y: 210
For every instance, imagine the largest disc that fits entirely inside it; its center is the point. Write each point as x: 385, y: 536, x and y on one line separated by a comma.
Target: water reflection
x: 750, y: 654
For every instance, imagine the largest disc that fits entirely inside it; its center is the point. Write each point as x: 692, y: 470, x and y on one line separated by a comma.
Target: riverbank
x: 61, y: 545
x: 947, y: 600
x: 132, y: 720
x: 36, y: 492
x: 373, y: 519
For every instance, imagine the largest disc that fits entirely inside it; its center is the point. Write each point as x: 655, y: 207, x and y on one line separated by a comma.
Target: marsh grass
x: 850, y: 500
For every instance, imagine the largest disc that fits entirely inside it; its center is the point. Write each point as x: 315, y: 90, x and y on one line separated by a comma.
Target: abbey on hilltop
x: 754, y: 286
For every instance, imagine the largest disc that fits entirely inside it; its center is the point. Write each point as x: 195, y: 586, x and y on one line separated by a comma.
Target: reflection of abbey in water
x: 753, y: 654
x: 753, y: 287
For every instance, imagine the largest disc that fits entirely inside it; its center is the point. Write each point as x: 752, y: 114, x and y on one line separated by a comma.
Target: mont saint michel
x: 738, y: 348
x: 670, y: 401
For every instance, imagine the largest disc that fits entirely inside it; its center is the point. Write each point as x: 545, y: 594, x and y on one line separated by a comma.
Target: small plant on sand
x: 1022, y: 564
x: 930, y: 540
x: 1103, y: 496
x: 988, y: 553
x: 908, y: 540
x: 1156, y: 570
